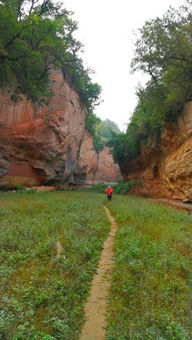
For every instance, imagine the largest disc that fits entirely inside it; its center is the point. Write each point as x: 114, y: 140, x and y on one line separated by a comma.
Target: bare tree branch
x: 33, y: 2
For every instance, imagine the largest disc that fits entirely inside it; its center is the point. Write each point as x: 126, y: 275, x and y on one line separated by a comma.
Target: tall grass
x: 42, y: 296
x: 150, y: 297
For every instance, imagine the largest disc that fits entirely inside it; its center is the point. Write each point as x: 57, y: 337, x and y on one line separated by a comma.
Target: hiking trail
x: 96, y: 306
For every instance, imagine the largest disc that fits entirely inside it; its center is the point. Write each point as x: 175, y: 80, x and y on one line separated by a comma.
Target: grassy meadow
x: 42, y: 295
x: 150, y: 297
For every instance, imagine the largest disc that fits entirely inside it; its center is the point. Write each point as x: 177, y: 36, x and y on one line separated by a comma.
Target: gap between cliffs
x: 96, y: 306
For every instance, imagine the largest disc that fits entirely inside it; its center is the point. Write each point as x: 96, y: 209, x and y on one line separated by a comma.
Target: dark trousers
x: 109, y: 197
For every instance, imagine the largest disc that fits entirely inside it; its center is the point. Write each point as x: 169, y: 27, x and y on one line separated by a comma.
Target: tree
x: 107, y: 128
x: 91, y: 123
x: 164, y: 51
x: 101, y: 130
x: 36, y: 36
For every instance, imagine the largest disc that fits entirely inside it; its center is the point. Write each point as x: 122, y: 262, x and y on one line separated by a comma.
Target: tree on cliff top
x: 107, y: 128
x: 163, y: 51
x: 101, y: 130
x: 35, y: 37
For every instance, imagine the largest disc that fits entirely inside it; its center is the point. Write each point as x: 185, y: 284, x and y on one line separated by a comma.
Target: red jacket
x: 109, y: 191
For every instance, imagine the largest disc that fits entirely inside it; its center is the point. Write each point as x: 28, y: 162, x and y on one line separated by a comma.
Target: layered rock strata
x: 166, y: 171
x: 40, y: 144
x: 96, y: 168
x: 48, y: 143
x: 107, y: 171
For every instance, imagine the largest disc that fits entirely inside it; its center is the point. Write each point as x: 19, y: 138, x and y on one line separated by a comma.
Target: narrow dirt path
x: 59, y: 249
x: 96, y: 306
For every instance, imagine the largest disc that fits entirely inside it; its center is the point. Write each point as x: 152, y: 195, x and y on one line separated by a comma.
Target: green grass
x: 150, y: 297
x: 42, y: 297
x: 121, y: 188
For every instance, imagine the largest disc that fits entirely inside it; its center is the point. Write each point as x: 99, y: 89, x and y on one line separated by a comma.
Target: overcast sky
x: 107, y: 29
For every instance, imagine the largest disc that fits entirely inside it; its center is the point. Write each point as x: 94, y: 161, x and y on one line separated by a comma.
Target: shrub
x: 120, y: 188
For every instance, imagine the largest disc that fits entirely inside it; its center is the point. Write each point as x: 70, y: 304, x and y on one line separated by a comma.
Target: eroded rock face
x: 49, y: 143
x: 178, y: 171
x: 107, y: 171
x: 38, y: 145
x: 96, y: 168
x: 166, y: 171
x: 87, y: 161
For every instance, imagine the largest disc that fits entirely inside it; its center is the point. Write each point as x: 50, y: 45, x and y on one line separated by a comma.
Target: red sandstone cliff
x: 48, y: 143
x: 93, y: 168
x: 107, y: 171
x: 166, y: 171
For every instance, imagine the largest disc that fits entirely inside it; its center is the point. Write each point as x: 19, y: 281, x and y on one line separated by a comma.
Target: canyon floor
x: 64, y: 258
x: 174, y: 203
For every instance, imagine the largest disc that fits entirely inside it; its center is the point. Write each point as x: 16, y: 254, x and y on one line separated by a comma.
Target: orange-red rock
x: 166, y: 171
x: 87, y: 161
x: 107, y: 171
x: 96, y: 168
x: 47, y: 138
x: 49, y: 143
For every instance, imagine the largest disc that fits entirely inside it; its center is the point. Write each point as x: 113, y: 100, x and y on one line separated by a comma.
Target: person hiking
x: 109, y: 192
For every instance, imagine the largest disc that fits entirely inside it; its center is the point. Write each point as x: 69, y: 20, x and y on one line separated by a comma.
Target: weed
x: 121, y: 188
x: 42, y: 296
x: 150, y: 292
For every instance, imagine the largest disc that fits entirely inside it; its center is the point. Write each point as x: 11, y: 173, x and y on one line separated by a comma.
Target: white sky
x: 106, y: 28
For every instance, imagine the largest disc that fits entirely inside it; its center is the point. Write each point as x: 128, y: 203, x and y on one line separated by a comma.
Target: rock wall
x: 166, y: 171
x: 40, y: 144
x: 48, y: 143
x: 87, y: 161
x: 96, y: 168
x: 107, y: 171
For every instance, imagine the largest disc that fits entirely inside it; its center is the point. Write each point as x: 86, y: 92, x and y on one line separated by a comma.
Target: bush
x: 163, y: 50
x: 120, y: 188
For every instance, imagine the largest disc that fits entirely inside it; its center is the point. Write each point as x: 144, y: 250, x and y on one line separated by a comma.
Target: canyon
x: 47, y: 144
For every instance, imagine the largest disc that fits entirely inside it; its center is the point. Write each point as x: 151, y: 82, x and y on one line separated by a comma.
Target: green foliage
x: 79, y: 78
x: 35, y: 37
x: 124, y: 187
x: 121, y: 188
x: 43, y: 295
x: 107, y: 128
x: 101, y: 130
x: 149, y: 297
x: 91, y: 125
x: 92, y: 121
x: 124, y: 147
x: 163, y: 51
